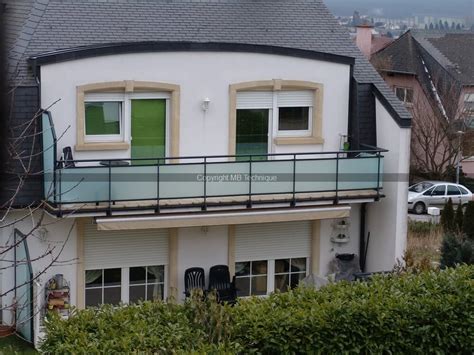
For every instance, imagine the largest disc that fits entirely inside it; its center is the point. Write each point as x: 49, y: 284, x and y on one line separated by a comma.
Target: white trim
x: 296, y: 133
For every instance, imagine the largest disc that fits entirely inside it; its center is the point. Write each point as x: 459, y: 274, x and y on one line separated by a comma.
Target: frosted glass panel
x: 48, y: 156
x: 272, y: 177
x: 358, y: 173
x: 181, y: 181
x: 83, y: 184
x: 134, y: 182
x: 227, y: 179
x: 315, y: 175
x: 24, y: 288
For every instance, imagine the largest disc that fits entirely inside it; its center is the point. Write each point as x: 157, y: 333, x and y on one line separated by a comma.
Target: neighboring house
x: 433, y: 71
x: 370, y: 42
x: 280, y: 84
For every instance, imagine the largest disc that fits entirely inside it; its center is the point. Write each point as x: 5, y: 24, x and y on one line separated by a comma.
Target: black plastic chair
x: 194, y: 278
x: 68, y: 158
x: 219, y: 280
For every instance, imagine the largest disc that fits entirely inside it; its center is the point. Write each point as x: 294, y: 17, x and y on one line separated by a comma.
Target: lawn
x: 424, y: 241
x: 14, y: 345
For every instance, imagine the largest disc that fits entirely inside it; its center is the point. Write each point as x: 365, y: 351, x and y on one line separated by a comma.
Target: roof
x: 453, y: 51
x: 295, y: 24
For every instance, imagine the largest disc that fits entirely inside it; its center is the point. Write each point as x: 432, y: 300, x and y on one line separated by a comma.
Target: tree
x: 441, y: 26
x: 453, y: 25
x: 426, y: 26
x: 437, y: 26
x: 459, y: 218
x: 468, y: 222
x: 447, y: 217
x: 458, y: 26
x: 431, y: 26
x: 446, y: 25
x: 20, y: 150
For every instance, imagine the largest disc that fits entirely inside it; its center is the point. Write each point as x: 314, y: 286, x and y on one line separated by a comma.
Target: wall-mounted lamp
x: 205, y: 104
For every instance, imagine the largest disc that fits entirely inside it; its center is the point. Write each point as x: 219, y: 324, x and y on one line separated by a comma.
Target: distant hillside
x: 403, y: 8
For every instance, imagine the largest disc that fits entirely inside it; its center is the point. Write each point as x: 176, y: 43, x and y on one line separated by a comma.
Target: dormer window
x: 404, y: 94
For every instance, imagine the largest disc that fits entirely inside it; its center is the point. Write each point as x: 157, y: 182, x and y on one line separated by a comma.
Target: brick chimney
x: 364, y: 39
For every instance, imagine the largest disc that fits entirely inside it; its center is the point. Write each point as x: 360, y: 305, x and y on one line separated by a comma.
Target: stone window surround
x: 126, y: 86
x: 278, y: 85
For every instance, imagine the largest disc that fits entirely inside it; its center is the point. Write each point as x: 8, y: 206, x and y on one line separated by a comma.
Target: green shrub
x: 468, y: 222
x: 430, y: 312
x: 459, y: 218
x: 447, y: 217
x: 419, y: 227
x: 456, y: 249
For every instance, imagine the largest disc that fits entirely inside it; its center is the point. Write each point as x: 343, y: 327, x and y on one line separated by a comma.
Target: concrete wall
x: 387, y: 219
x: 200, y: 75
x: 200, y: 247
x: 60, y: 233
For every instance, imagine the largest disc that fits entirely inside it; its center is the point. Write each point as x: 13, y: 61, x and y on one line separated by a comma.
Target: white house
x: 241, y: 133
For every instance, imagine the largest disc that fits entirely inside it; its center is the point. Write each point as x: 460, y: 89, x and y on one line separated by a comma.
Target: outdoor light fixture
x: 205, y: 104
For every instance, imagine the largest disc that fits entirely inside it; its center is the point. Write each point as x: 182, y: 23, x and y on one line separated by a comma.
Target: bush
x: 430, y: 312
x: 459, y: 218
x: 447, y: 217
x: 468, y: 222
x: 456, y: 249
x: 419, y: 227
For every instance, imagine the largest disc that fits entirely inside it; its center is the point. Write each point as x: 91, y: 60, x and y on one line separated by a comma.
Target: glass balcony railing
x: 206, y: 178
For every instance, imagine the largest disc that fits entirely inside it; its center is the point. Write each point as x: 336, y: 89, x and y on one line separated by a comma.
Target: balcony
x: 205, y: 183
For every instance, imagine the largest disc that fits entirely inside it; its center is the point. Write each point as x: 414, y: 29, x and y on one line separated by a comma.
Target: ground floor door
x: 148, y: 131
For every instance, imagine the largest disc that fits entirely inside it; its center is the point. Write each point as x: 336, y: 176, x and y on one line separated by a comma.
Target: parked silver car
x: 435, y: 194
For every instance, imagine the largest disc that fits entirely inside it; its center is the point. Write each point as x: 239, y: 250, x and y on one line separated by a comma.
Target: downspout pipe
x: 362, y: 241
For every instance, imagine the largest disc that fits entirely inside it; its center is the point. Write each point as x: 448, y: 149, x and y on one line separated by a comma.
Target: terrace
x: 208, y: 183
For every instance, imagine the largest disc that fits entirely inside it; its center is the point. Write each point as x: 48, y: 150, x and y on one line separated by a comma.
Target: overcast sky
x: 402, y: 8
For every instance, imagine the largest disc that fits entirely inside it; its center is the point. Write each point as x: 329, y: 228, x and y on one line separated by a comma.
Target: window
x: 453, y: 191
x: 420, y: 187
x: 104, y: 119
x: 125, y: 285
x: 251, y: 278
x: 146, y: 283
x: 469, y: 107
x: 293, y: 119
x: 289, y: 272
x: 439, y: 190
x: 463, y: 190
x: 103, y: 286
x: 404, y: 94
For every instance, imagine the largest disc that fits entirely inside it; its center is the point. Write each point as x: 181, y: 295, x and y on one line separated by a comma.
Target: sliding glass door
x: 252, y: 133
x: 148, y: 129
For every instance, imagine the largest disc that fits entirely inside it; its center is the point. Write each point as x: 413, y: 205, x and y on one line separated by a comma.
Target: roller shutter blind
x: 254, y: 99
x: 295, y: 98
x: 110, y: 249
x: 272, y: 240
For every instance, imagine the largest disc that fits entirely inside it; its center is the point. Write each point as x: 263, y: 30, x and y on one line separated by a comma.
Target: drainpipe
x: 362, y: 247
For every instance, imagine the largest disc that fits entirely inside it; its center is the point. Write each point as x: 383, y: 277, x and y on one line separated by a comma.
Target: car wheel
x: 419, y: 208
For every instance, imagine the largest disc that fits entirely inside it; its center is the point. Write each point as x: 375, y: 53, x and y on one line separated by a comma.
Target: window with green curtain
x: 252, y: 133
x: 103, y: 118
x: 148, y: 129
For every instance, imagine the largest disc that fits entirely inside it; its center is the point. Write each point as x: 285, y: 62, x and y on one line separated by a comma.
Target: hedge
x: 430, y: 312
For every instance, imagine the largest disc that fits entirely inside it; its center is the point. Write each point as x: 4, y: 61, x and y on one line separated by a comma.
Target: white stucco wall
x: 387, y: 219
x: 200, y: 75
x: 56, y: 237
x: 328, y: 249
x: 200, y: 247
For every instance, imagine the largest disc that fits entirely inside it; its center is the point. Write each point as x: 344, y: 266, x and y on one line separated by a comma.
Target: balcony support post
x: 336, y: 198
x: 204, y: 205
x: 293, y: 200
x: 249, y: 202
x: 157, y: 209
x: 378, y: 176
x: 109, y: 209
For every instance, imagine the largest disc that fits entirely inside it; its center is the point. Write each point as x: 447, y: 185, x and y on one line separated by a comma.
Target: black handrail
x: 369, y: 151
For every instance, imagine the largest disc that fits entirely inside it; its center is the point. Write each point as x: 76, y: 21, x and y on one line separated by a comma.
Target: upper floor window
x: 103, y: 120
x: 404, y: 94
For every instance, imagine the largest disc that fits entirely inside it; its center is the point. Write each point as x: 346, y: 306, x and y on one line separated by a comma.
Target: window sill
x: 298, y: 140
x: 102, y: 146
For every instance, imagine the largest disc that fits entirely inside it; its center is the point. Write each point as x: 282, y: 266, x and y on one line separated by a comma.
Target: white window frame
x: 295, y: 133
x: 125, y: 282
x: 271, y: 273
x: 126, y: 115
x: 106, y: 137
x: 102, y: 287
x: 273, y: 118
x: 405, y: 89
